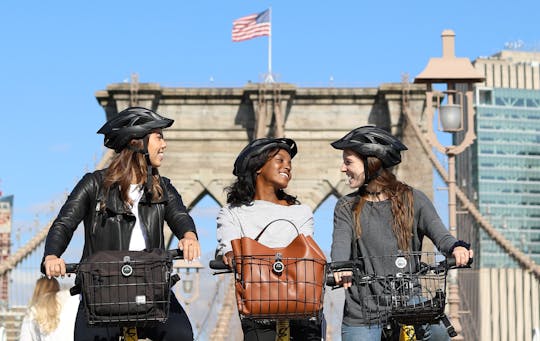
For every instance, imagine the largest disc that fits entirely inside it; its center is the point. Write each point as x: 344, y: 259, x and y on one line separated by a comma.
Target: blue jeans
x: 433, y: 332
x: 356, y: 333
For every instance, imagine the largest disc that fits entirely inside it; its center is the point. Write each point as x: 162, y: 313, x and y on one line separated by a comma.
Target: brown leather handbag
x: 283, y: 282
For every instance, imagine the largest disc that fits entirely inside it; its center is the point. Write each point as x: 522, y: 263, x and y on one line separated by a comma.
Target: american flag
x: 251, y: 26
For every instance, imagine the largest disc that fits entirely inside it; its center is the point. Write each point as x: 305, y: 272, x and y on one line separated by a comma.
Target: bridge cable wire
x: 498, y: 237
x: 39, y: 238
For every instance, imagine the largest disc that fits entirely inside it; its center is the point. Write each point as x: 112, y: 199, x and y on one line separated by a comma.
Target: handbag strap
x: 273, y: 221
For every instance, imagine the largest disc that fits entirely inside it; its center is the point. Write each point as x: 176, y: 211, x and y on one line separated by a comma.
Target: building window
x: 485, y: 97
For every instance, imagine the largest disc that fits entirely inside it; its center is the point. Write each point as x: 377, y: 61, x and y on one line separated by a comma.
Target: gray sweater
x: 378, y: 240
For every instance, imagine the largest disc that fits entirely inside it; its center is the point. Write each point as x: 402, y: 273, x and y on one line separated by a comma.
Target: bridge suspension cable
x: 498, y: 237
x: 39, y: 238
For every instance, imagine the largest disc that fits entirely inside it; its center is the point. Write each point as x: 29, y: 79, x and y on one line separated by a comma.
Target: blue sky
x: 56, y: 55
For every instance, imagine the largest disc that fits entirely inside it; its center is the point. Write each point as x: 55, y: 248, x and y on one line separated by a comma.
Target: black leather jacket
x: 110, y: 229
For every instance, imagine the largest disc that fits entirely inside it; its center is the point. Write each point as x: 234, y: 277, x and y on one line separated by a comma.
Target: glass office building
x: 508, y: 169
x: 501, y: 171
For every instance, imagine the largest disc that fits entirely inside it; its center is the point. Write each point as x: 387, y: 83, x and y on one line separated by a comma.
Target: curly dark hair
x: 242, y: 190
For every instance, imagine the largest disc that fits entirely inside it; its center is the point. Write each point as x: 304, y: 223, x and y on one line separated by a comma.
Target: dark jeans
x: 177, y: 327
x: 301, y: 330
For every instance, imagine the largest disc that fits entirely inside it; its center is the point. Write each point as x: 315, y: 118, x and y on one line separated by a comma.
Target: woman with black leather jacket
x: 124, y: 207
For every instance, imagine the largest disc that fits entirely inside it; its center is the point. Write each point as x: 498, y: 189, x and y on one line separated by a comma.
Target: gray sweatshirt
x: 378, y: 240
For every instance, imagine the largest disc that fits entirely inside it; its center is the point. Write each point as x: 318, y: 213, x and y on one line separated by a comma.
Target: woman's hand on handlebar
x: 190, y: 246
x: 343, y: 278
x: 228, y: 259
x: 462, y: 255
x: 54, y: 266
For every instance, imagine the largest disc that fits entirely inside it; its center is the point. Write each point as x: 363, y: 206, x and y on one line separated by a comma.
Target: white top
x: 138, y: 240
x: 64, y: 331
x: 250, y: 220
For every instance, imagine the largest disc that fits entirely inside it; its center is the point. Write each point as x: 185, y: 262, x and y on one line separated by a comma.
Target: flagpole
x: 270, y: 77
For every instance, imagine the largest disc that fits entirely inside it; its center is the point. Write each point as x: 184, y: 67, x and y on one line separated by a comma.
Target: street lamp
x: 190, y: 281
x: 450, y: 71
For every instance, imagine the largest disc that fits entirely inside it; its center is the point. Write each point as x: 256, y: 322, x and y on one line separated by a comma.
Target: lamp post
x: 190, y: 281
x: 456, y: 115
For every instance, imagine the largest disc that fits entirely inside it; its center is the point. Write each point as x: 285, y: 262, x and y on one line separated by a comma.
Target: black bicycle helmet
x: 258, y: 146
x: 372, y: 141
x: 131, y: 123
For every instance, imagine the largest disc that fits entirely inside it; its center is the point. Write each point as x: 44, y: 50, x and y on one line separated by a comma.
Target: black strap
x: 449, y: 328
x: 273, y: 221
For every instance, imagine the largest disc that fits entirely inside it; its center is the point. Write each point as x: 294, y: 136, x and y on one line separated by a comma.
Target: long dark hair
x: 120, y: 171
x: 401, y: 197
x: 242, y: 190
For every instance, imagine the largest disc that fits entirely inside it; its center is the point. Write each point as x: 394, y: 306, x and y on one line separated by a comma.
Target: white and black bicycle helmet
x: 372, y: 141
x: 258, y: 146
x: 134, y: 123
x: 131, y: 123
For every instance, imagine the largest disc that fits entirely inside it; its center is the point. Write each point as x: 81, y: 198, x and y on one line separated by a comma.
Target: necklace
x: 375, y: 194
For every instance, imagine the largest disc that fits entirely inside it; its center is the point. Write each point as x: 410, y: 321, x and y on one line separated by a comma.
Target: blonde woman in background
x: 51, y: 313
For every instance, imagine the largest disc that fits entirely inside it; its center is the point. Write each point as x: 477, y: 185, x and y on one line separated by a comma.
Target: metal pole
x: 453, y: 290
x: 270, y: 43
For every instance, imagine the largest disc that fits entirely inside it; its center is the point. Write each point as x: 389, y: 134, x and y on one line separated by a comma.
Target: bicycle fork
x: 130, y: 334
x: 283, y: 330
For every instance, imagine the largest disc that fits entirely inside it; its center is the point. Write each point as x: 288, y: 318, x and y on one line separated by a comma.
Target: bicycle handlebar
x: 218, y: 264
x: 72, y: 268
x: 176, y: 253
x: 450, y: 263
x: 445, y: 265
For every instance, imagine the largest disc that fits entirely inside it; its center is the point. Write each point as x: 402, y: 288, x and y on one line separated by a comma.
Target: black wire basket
x: 126, y: 288
x: 413, y: 292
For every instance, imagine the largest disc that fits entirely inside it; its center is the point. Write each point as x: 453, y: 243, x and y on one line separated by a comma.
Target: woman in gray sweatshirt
x: 383, y: 217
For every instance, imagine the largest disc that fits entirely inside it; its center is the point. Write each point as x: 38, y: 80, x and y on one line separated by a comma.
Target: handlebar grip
x: 451, y: 263
x: 72, y: 268
x: 218, y: 264
x: 176, y: 253
x: 330, y: 280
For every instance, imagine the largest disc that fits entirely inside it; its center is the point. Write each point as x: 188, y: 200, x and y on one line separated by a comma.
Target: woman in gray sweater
x: 256, y: 199
x: 383, y: 217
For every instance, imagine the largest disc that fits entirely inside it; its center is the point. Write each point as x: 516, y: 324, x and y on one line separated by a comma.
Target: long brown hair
x: 124, y: 166
x: 44, y: 305
x: 401, y: 197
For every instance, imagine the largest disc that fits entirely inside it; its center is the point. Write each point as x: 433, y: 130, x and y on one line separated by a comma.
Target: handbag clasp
x: 278, y: 265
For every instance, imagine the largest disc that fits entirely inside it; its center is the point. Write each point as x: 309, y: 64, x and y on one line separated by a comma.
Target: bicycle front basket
x: 411, y: 291
x: 126, y: 287
x: 276, y: 282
